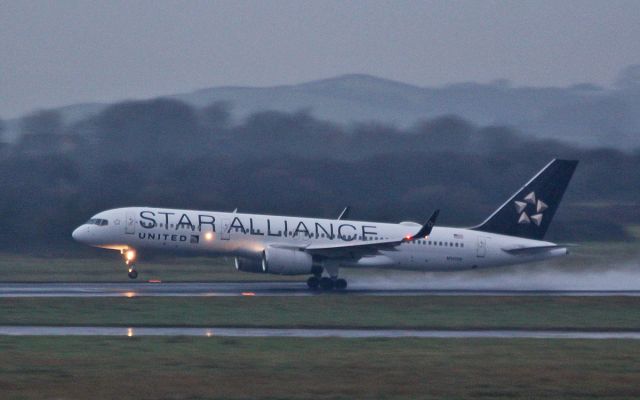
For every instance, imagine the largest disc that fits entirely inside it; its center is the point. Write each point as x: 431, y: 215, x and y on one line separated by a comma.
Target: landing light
x: 129, y: 332
x: 208, y: 236
x: 130, y: 255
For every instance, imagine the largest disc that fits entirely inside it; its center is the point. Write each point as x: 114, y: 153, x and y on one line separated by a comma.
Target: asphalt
x: 135, y: 289
x: 309, y: 333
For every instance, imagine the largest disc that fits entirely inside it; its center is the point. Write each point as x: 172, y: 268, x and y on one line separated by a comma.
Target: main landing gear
x: 129, y: 256
x: 317, y: 281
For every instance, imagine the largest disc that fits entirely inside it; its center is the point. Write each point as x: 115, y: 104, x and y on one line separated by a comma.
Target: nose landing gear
x: 129, y: 256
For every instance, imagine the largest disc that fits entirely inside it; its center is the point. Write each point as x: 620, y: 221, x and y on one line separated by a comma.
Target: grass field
x: 596, y: 313
x: 279, y: 368
x: 327, y: 368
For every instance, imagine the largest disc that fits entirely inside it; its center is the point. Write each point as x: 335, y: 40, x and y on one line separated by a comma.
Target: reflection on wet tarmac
x: 253, y: 289
x: 310, y: 333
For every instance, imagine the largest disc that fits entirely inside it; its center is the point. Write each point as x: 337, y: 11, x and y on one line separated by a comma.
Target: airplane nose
x: 78, y: 234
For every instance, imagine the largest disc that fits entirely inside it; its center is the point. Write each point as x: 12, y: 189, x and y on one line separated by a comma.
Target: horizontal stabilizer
x: 524, y: 251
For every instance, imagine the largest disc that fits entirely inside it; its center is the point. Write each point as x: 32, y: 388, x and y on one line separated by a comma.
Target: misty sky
x: 55, y: 53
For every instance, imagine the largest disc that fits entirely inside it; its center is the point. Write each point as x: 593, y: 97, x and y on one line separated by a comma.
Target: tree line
x: 166, y: 153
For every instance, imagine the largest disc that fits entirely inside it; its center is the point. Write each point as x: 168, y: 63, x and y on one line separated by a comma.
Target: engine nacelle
x: 286, y: 261
x: 248, y: 265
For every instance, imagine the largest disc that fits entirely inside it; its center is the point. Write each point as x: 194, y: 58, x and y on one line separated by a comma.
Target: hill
x: 585, y: 114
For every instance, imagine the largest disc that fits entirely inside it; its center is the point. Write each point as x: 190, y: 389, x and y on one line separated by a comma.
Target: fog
x: 540, y: 277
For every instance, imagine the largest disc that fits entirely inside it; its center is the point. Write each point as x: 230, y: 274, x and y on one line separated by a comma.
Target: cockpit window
x: 97, y: 221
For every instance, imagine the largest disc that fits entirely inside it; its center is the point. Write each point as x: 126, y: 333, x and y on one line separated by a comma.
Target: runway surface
x: 134, y: 289
x: 309, y: 333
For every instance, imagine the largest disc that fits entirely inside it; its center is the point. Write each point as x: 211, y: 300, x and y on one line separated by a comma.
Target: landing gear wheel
x: 133, y: 274
x: 316, y: 270
x: 313, y: 282
x: 341, y: 284
x: 326, y: 283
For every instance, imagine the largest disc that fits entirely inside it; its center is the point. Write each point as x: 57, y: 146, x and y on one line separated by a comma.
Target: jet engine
x: 286, y: 261
x: 248, y: 265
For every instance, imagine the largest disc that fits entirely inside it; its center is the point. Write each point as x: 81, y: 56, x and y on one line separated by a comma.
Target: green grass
x: 279, y: 368
x: 597, y: 313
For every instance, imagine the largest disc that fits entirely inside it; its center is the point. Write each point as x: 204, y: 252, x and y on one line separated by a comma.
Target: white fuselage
x: 248, y: 235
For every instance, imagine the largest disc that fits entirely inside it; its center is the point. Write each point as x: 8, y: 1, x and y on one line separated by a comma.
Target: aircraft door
x: 224, y: 232
x: 482, y: 247
x: 130, y: 223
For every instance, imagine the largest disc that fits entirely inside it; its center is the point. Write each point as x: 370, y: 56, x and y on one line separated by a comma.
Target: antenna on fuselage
x: 344, y: 213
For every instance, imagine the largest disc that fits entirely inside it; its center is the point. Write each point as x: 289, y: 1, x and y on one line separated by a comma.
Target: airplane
x: 513, y: 234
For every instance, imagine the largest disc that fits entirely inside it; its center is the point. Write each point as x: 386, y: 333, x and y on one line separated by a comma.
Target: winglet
x: 427, y: 227
x: 344, y: 213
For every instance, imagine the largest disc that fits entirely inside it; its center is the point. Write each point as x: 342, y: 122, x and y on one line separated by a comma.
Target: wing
x: 352, y: 250
x: 359, y: 249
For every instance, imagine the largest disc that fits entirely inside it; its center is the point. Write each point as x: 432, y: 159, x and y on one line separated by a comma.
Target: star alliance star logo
x: 529, y: 202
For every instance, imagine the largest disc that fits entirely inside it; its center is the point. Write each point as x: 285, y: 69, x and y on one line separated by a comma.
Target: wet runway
x: 310, y: 333
x: 134, y: 289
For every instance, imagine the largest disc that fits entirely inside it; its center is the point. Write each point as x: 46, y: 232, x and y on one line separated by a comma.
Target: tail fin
x: 528, y: 213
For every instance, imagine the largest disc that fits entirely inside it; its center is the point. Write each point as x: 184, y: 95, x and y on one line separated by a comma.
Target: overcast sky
x: 55, y: 53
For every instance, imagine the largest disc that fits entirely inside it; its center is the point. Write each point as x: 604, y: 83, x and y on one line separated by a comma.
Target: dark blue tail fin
x: 528, y: 213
